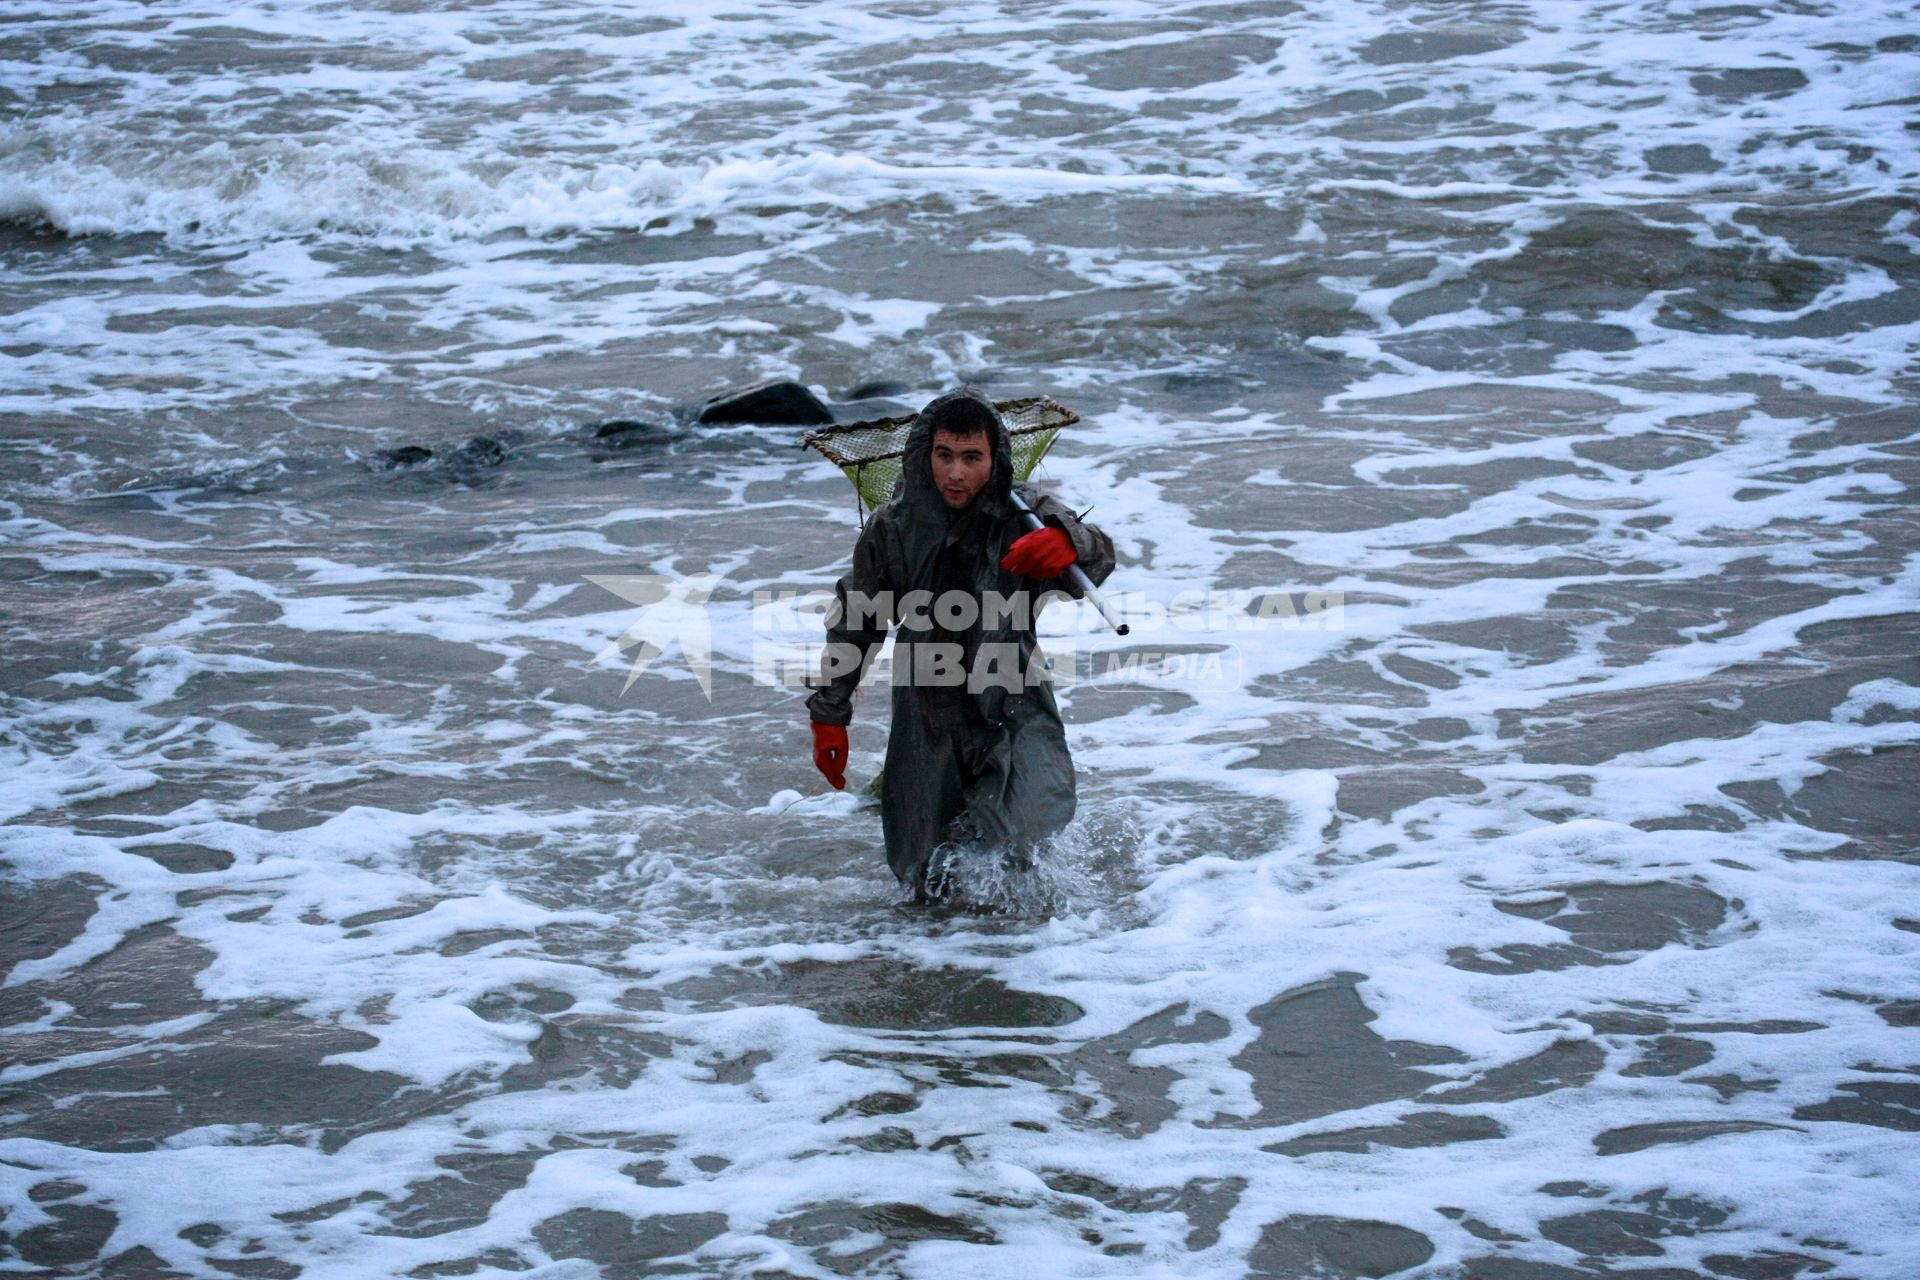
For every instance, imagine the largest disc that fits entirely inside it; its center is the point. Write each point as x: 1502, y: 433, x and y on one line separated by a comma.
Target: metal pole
x: 1074, y: 574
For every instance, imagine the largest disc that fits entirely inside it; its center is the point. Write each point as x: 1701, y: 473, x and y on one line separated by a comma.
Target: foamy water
x: 1546, y: 911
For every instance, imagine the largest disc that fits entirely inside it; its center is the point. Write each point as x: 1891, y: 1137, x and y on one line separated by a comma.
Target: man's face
x: 961, y: 466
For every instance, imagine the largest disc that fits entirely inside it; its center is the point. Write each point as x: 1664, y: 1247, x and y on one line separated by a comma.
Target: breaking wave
x: 86, y: 181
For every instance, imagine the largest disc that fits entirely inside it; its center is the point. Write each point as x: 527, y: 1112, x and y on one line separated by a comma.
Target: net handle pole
x: 1074, y: 574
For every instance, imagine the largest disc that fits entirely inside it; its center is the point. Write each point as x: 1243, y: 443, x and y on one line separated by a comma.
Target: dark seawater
x: 1547, y: 909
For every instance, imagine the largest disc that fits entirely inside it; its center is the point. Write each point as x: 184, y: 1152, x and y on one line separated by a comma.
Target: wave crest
x: 85, y: 181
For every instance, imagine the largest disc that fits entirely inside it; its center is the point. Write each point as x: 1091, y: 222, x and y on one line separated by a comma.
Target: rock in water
x: 868, y: 410
x: 778, y: 400
x: 627, y: 433
x: 875, y: 388
x: 481, y: 451
x: 407, y: 455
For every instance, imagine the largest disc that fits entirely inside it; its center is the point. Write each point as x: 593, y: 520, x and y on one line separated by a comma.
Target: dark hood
x: 915, y: 488
x: 927, y: 527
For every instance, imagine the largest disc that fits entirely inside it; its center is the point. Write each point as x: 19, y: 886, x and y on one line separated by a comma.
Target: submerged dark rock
x: 776, y: 401
x: 875, y: 388
x: 869, y: 410
x: 407, y: 455
x: 477, y: 451
x: 481, y: 451
x: 623, y: 436
x: 623, y: 433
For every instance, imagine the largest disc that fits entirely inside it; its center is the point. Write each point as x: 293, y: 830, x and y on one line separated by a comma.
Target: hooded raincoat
x: 981, y: 758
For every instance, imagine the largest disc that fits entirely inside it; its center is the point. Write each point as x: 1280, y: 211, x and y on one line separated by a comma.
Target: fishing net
x: 870, y: 452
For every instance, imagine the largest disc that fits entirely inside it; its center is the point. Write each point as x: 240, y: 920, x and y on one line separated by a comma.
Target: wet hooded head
x: 965, y: 416
x: 965, y: 413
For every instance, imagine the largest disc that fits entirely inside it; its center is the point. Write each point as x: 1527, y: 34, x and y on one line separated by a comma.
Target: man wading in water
x: 977, y: 756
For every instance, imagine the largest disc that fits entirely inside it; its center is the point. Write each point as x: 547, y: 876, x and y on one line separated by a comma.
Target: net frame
x: 871, y: 453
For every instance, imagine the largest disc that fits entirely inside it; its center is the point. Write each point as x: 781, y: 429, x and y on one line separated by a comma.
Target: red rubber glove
x: 1043, y: 553
x: 830, y: 753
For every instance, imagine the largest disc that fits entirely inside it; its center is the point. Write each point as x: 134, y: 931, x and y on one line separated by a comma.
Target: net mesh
x: 870, y: 452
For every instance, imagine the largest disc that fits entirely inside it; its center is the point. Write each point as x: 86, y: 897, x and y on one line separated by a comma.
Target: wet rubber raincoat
x: 983, y: 762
